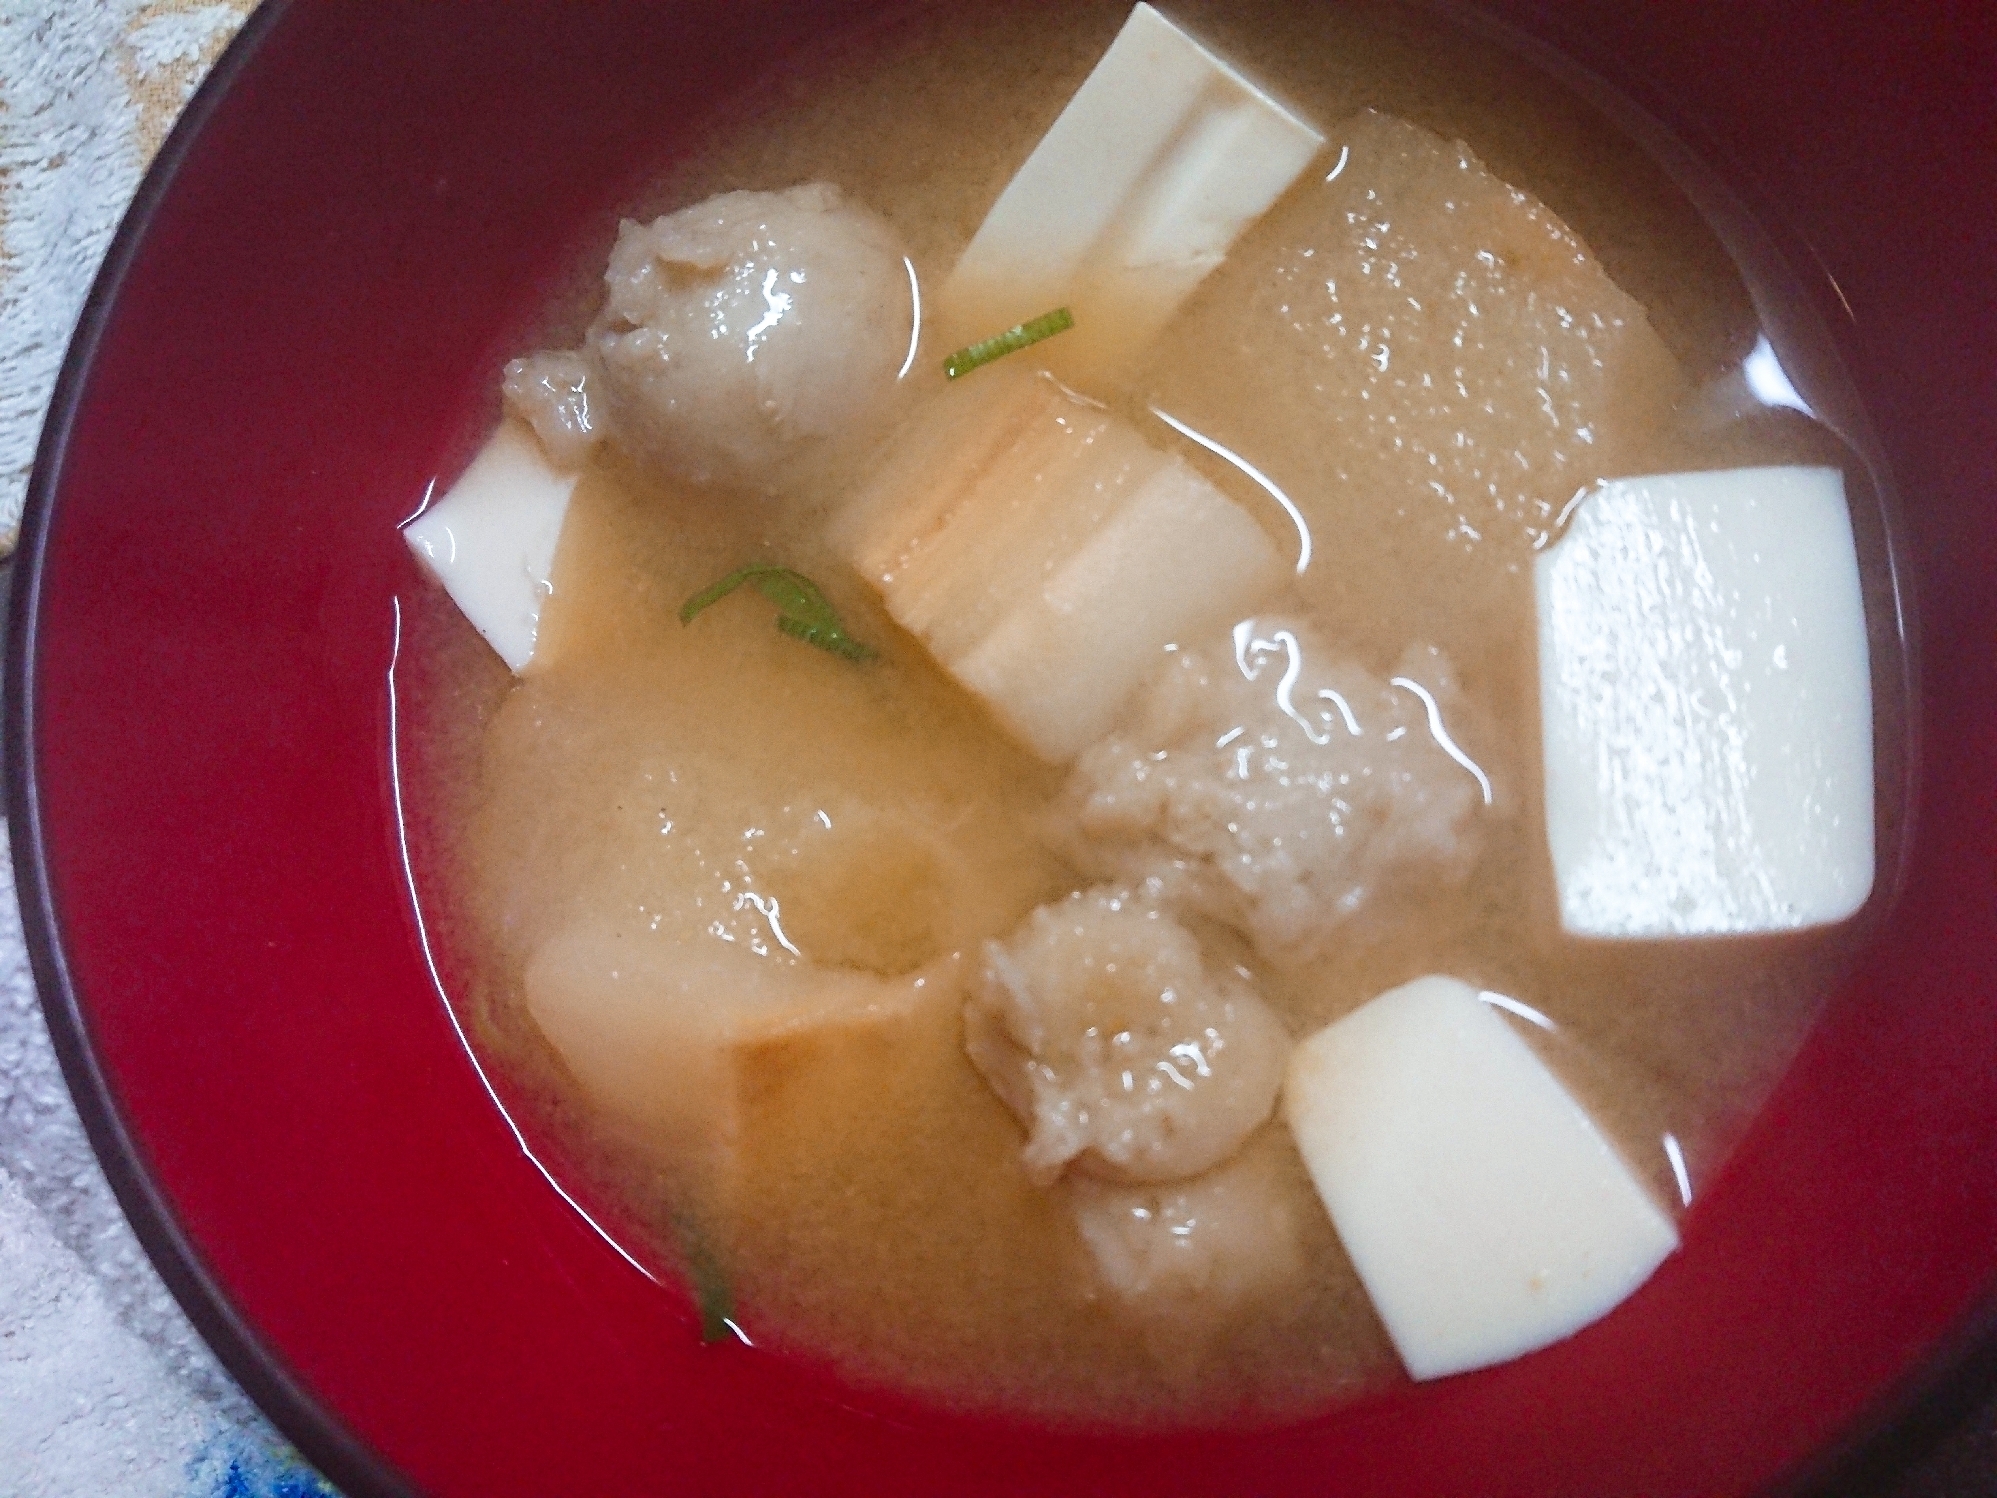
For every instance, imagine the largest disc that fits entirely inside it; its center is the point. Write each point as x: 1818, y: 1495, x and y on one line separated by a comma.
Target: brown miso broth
x: 661, y: 789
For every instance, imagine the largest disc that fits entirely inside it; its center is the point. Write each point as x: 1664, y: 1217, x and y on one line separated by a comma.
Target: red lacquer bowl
x: 293, y: 337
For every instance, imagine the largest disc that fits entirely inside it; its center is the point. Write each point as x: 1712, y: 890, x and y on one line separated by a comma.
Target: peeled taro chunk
x: 742, y: 338
x: 1210, y: 1242
x: 1275, y: 789
x: 1116, y: 1045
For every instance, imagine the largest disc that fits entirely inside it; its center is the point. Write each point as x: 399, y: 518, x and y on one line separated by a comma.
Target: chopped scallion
x: 1010, y: 341
x: 802, y: 610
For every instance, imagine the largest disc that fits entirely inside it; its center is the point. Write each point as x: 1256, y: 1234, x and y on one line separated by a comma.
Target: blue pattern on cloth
x: 233, y: 1464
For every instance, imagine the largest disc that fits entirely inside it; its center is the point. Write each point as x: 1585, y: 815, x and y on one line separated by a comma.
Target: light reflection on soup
x: 720, y: 901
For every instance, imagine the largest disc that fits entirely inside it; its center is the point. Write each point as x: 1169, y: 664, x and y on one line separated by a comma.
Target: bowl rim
x: 1902, y: 1423
x: 340, y: 1455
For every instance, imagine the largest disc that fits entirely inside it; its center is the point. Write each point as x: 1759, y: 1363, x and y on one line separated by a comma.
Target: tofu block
x: 1485, y: 1213
x: 1706, y: 702
x: 1046, y: 555
x: 491, y: 540
x: 1160, y: 160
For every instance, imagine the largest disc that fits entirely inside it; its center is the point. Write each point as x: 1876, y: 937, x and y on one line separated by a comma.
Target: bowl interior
x: 297, y: 335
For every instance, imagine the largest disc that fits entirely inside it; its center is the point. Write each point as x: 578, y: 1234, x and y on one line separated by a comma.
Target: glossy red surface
x: 301, y: 343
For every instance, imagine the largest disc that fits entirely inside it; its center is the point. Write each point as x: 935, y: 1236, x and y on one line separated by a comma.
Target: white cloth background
x: 104, y: 1388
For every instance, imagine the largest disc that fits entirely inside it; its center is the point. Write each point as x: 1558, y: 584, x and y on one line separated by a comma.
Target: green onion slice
x: 802, y: 611
x: 1011, y: 341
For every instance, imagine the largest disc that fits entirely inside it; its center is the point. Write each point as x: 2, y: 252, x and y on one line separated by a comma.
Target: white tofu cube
x: 1485, y: 1213
x: 1706, y: 702
x: 1160, y: 160
x: 491, y: 541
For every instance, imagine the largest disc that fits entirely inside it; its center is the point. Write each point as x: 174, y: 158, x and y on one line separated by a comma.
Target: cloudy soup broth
x: 803, y: 962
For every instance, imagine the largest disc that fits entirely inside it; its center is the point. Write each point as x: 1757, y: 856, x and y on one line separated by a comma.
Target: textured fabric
x: 88, y: 90
x: 104, y: 1387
